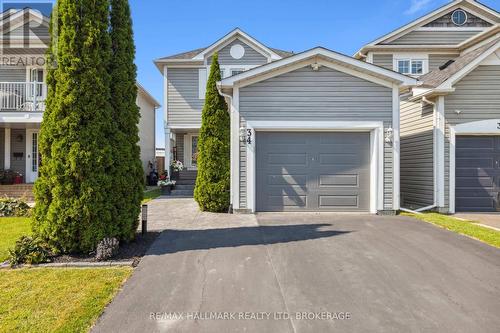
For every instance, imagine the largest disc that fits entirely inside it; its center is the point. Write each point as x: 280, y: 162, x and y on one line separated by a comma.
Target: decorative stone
x: 107, y: 248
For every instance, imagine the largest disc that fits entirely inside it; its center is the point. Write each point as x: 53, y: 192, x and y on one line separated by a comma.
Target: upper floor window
x: 410, y: 66
x: 459, y: 17
x: 236, y: 71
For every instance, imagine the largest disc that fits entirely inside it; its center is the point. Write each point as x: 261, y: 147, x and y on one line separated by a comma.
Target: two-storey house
x: 314, y: 131
x: 24, y: 38
x: 450, y: 122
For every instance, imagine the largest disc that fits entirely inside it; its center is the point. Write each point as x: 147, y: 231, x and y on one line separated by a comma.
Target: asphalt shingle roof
x: 191, y: 54
x: 438, y: 76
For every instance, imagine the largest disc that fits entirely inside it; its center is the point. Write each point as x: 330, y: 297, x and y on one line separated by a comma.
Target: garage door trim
x: 375, y: 128
x: 482, y: 127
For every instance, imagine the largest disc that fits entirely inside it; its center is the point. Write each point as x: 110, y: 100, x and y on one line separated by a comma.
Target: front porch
x: 185, y: 147
x: 19, y: 157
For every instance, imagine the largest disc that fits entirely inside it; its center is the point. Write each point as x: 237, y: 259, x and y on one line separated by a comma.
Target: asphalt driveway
x: 306, y: 273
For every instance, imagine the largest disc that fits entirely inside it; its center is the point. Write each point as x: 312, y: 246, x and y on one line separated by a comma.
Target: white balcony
x: 22, y: 96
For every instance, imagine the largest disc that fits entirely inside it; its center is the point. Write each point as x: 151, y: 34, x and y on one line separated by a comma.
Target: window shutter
x: 202, y: 82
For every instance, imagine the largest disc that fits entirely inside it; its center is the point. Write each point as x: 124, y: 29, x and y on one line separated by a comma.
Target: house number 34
x: 249, y: 136
x: 498, y: 125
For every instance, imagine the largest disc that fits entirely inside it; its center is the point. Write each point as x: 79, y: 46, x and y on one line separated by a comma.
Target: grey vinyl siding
x: 251, y: 57
x: 436, y: 60
x: 383, y: 60
x: 325, y: 95
x: 179, y: 144
x: 2, y: 148
x: 18, y: 146
x: 434, y: 37
x: 12, y: 74
x: 417, y: 154
x: 477, y: 96
x: 183, y: 105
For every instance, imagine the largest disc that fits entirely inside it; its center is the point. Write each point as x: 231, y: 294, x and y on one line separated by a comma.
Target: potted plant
x: 177, y: 167
x: 7, y: 177
x: 166, y: 185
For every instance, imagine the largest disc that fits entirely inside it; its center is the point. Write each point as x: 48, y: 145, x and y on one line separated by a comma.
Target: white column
x: 7, y: 149
x: 168, y: 148
x: 396, y: 150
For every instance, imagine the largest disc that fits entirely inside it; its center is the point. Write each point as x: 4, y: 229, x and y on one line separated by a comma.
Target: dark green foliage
x: 212, y: 184
x: 74, y: 211
x: 29, y: 251
x: 13, y: 207
x: 128, y: 175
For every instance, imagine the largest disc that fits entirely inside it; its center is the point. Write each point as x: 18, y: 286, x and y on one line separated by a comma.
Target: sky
x: 166, y: 27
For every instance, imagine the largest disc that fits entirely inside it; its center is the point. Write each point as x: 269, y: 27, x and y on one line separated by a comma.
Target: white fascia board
x: 21, y: 117
x: 448, y: 84
x: 338, y: 58
x: 230, y: 35
x: 430, y: 17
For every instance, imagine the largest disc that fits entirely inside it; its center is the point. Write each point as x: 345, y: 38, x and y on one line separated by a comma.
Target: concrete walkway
x: 306, y: 273
x: 487, y: 219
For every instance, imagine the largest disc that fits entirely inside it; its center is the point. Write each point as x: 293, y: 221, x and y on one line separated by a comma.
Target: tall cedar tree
x: 128, y: 175
x: 212, y: 183
x: 73, y: 211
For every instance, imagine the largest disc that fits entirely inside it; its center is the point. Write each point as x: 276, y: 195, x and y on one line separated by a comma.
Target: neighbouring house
x: 450, y: 122
x: 315, y: 131
x: 147, y: 128
x: 23, y: 90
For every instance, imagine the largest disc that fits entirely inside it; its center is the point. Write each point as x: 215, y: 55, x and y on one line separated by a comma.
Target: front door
x: 191, y: 156
x: 32, y: 155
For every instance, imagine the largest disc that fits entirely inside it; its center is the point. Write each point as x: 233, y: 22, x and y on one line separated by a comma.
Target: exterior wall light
x: 389, y: 135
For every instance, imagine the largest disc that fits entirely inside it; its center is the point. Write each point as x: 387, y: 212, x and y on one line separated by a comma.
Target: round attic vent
x: 237, y: 51
x: 459, y: 17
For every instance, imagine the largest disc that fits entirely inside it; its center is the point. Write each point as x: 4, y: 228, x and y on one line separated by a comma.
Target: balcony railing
x: 23, y: 96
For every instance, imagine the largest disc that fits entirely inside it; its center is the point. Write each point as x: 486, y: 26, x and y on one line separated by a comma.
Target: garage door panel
x: 472, y: 182
x: 339, y: 180
x: 287, y: 179
x: 297, y: 201
x: 478, y: 162
x: 339, y: 201
x: 340, y: 159
x: 477, y: 174
x: 330, y: 173
x: 288, y: 159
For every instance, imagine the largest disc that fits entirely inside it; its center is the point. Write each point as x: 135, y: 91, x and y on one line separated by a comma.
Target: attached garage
x: 477, y: 163
x: 318, y: 131
x: 313, y: 171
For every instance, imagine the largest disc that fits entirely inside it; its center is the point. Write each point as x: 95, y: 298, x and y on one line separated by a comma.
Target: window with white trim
x: 410, y: 66
x: 236, y: 71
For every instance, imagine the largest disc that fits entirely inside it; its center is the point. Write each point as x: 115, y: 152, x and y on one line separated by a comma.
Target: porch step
x: 182, y: 187
x: 185, y: 182
x: 182, y: 193
x: 24, y: 191
x: 188, y: 174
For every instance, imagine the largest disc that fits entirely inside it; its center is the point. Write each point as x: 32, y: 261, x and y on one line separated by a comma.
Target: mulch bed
x: 132, y: 251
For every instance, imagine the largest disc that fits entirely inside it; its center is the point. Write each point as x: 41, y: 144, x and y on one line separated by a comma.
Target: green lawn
x: 150, y: 195
x: 11, y: 228
x: 56, y: 300
x: 467, y: 228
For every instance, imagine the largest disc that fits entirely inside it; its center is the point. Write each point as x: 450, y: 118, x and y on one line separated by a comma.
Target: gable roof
x: 471, y: 5
x: 469, y: 60
x: 141, y: 90
x: 199, y: 55
x: 318, y: 54
x: 12, y: 19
